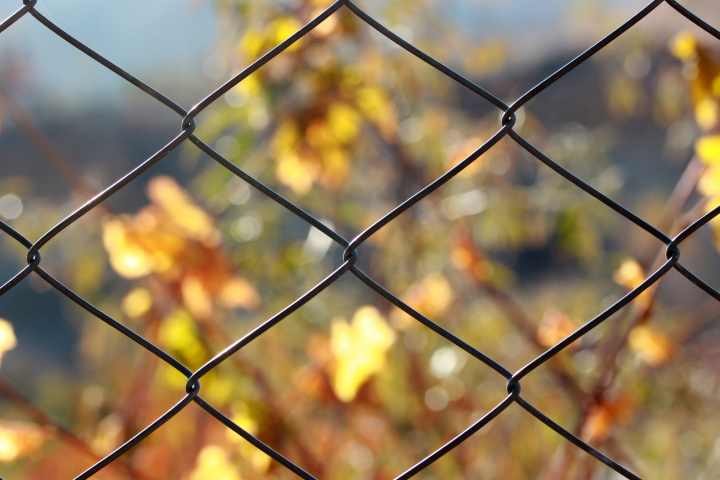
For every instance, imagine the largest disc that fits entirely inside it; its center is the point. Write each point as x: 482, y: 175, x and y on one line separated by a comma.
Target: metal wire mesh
x: 348, y: 264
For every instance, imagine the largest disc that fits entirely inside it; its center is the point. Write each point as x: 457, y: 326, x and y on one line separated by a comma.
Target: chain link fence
x: 348, y: 265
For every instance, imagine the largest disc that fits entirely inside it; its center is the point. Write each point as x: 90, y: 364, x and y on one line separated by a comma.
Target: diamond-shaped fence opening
x: 315, y: 316
x: 348, y: 265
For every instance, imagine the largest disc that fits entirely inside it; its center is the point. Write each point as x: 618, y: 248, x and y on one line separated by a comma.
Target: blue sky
x: 167, y: 39
x: 167, y: 42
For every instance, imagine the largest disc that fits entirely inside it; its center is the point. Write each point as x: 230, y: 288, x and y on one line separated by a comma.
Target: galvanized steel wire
x: 348, y: 264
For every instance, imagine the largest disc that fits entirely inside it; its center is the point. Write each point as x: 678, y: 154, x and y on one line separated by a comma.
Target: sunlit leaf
x: 178, y: 333
x: 8, y: 341
x: 464, y: 149
x: 318, y: 136
x: 431, y: 296
x: 343, y: 121
x: 602, y: 417
x: 283, y: 28
x: 196, y: 297
x: 245, y: 418
x: 374, y: 104
x: 630, y: 274
x: 251, y: 86
x: 708, y: 149
x: 335, y: 167
x: 214, y: 462
x: 329, y: 25
x: 252, y: 43
x: 109, y: 433
x: 703, y: 68
x: 296, y: 174
x: 359, y: 350
x: 137, y: 302
x: 555, y: 327
x: 238, y: 292
x: 176, y: 241
x: 19, y: 439
x: 181, y: 210
x: 709, y: 183
x: 128, y: 259
x: 707, y: 112
x: 684, y: 46
x: 286, y: 138
x: 217, y: 387
x: 651, y: 346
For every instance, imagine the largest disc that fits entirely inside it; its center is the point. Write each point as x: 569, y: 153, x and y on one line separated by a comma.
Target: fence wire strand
x: 348, y: 265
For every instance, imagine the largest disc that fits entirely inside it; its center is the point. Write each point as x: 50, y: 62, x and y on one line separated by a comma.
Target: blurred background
x: 508, y: 255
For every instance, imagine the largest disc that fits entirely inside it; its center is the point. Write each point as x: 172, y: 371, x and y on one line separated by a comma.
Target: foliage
x: 508, y: 256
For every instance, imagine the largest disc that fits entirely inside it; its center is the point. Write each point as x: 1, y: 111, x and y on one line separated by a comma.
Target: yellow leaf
x: 109, y: 433
x: 8, y: 341
x: 252, y: 43
x: 359, y: 349
x: 328, y: 25
x: 181, y: 210
x: 251, y: 86
x: 283, y: 28
x: 555, y: 327
x: 630, y: 275
x: 245, y: 419
x: 708, y: 150
x: 711, y: 204
x: 286, y: 138
x: 462, y: 150
x: 213, y: 463
x: 318, y: 135
x: 462, y: 258
x: 343, y: 121
x: 431, y: 296
x: 335, y: 167
x: 196, y: 297
x: 706, y: 113
x: 217, y: 388
x: 296, y: 174
x: 684, y: 46
x: 238, y: 292
x: 137, y: 302
x: 709, y: 184
x: 653, y: 347
x: 19, y: 439
x: 178, y: 333
x: 126, y: 258
x: 131, y: 263
x: 374, y: 104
